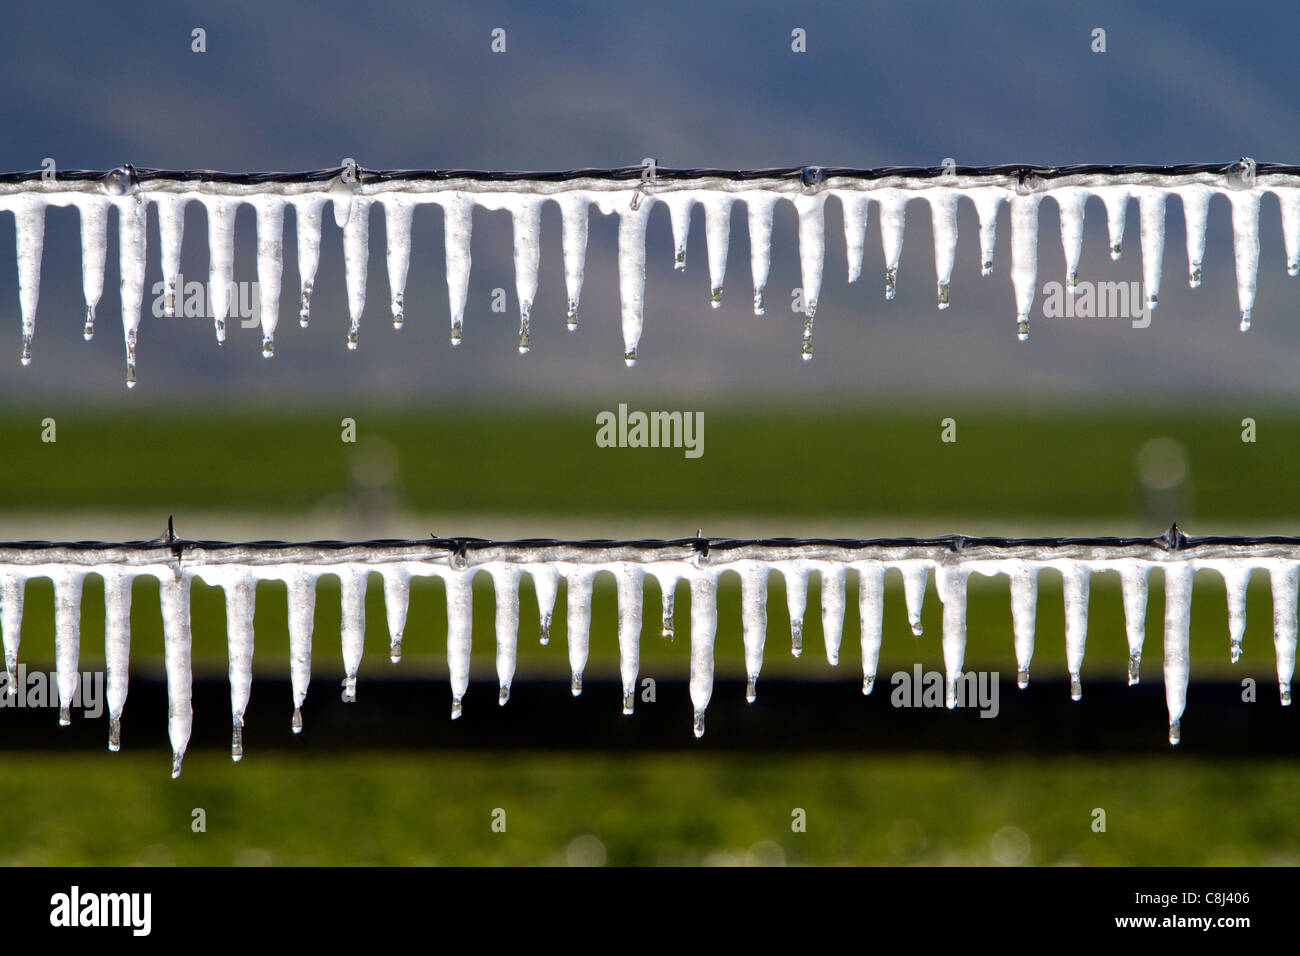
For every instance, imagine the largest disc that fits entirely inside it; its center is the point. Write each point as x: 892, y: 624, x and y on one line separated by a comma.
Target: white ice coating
x: 524, y: 199
x: 239, y: 572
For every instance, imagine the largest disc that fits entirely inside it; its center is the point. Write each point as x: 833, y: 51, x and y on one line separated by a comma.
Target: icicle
x: 1134, y: 585
x: 546, y: 582
x: 893, y: 210
x: 527, y: 219
x: 717, y: 234
x: 221, y: 251
x: 175, y: 593
x: 241, y: 596
x: 812, y: 256
x: 943, y: 219
x: 94, y: 255
x: 630, y: 579
x: 1024, y: 617
x: 854, y: 206
x: 1245, y: 247
x: 343, y: 199
x: 1024, y: 257
x: 759, y: 208
x: 950, y: 582
x: 668, y: 589
x: 871, y: 613
x: 1075, y: 579
x: 460, y: 634
x: 307, y: 212
x: 833, y: 610
x: 356, y: 259
x: 1115, y: 199
x: 987, y: 201
x: 117, y: 647
x: 1196, y: 211
x: 131, y: 241
x: 302, y: 616
x: 1178, y: 613
x: 1236, y: 577
x: 1072, y: 203
x: 457, y: 226
x: 573, y: 210
x: 631, y: 273
x: 704, y: 627
x: 29, y: 227
x: 171, y: 232
x: 753, y: 617
x: 397, y: 598
x: 579, y: 620
x: 1288, y: 199
x: 1151, y: 211
x: 352, y: 590
x: 67, y: 637
x: 505, y: 585
x: 679, y: 206
x: 796, y: 602
x: 1284, y: 626
x: 12, y: 586
x: 914, y: 578
x: 270, y: 268
x: 398, y: 213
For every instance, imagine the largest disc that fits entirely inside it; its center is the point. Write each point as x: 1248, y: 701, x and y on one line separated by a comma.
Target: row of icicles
x: 524, y: 199
x: 240, y: 583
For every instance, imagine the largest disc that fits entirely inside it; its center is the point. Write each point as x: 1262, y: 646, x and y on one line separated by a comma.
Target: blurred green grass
x: 437, y: 808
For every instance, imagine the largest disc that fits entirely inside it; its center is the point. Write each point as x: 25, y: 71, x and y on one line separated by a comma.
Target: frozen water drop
x: 715, y: 297
x: 350, y: 689
x: 867, y: 684
x: 65, y: 716
x: 806, y: 348
x: 121, y: 181
x: 395, y: 650
x: 679, y: 259
x: 1194, y: 276
x: 1234, y: 649
x: 1022, y: 330
x: 1072, y: 281
x: 986, y: 267
x: 891, y: 282
x: 88, y: 332
x: 699, y: 724
x: 1175, y: 732
x: 1116, y: 250
x: 399, y: 309
x: 1076, y: 687
x: 629, y: 702
x: 503, y: 695
x: 457, y: 332
x: 296, y: 721
x: 525, y: 340
x: 352, y: 337
x: 751, y: 690
x: 1134, y: 668
x: 1022, y: 678
x: 304, y: 307
x: 1284, y: 693
x: 1245, y: 320
x: 575, y: 685
x: 629, y: 358
x: 268, y: 346
x: 25, y: 356
x: 177, y: 757
x: 220, y: 326
x: 169, y: 300
x: 760, y: 307
x: 796, y: 637
x: 456, y: 708
x: 237, y: 741
x: 544, y: 631
x: 571, y: 316
x: 114, y: 734
x: 943, y: 295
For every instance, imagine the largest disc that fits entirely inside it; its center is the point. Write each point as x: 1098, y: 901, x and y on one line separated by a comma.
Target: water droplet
x: 169, y: 299
x: 1022, y: 678
x: 304, y: 308
x: 237, y: 741
x: 114, y: 734
x: 220, y: 326
x: 679, y: 259
x: 796, y: 636
x: 1234, y: 649
x: 1134, y: 667
x: 575, y: 685
x: 629, y: 702
x: 950, y: 695
x: 986, y: 267
x: 268, y: 346
x: 503, y: 696
x: 1022, y: 330
x: 1293, y: 267
x: 571, y: 316
x: 699, y: 724
x: 457, y: 332
x: 525, y: 341
x: 1284, y: 692
x: 544, y: 632
x: 1245, y: 320
x: 65, y: 716
x: 352, y: 337
x: 806, y: 348
x: 295, y: 722
x: 121, y: 181
x: 751, y: 690
x: 812, y: 176
x: 1194, y: 276
x: 760, y: 307
x: 891, y: 282
x: 629, y: 358
x: 867, y: 684
x: 943, y: 295
x: 456, y: 708
x: 1072, y: 281
x: 715, y: 297
x: 177, y: 757
x: 25, y: 356
x: 350, y: 688
x: 1076, y: 687
x: 1117, y: 250
x: 395, y: 649
x: 88, y: 332
x: 1175, y: 732
x: 917, y: 628
x: 399, y: 310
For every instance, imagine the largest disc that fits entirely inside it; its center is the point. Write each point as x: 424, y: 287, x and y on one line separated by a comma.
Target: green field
x: 857, y: 470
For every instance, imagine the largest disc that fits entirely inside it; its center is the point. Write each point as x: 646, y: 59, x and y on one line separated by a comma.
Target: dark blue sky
x: 296, y: 86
